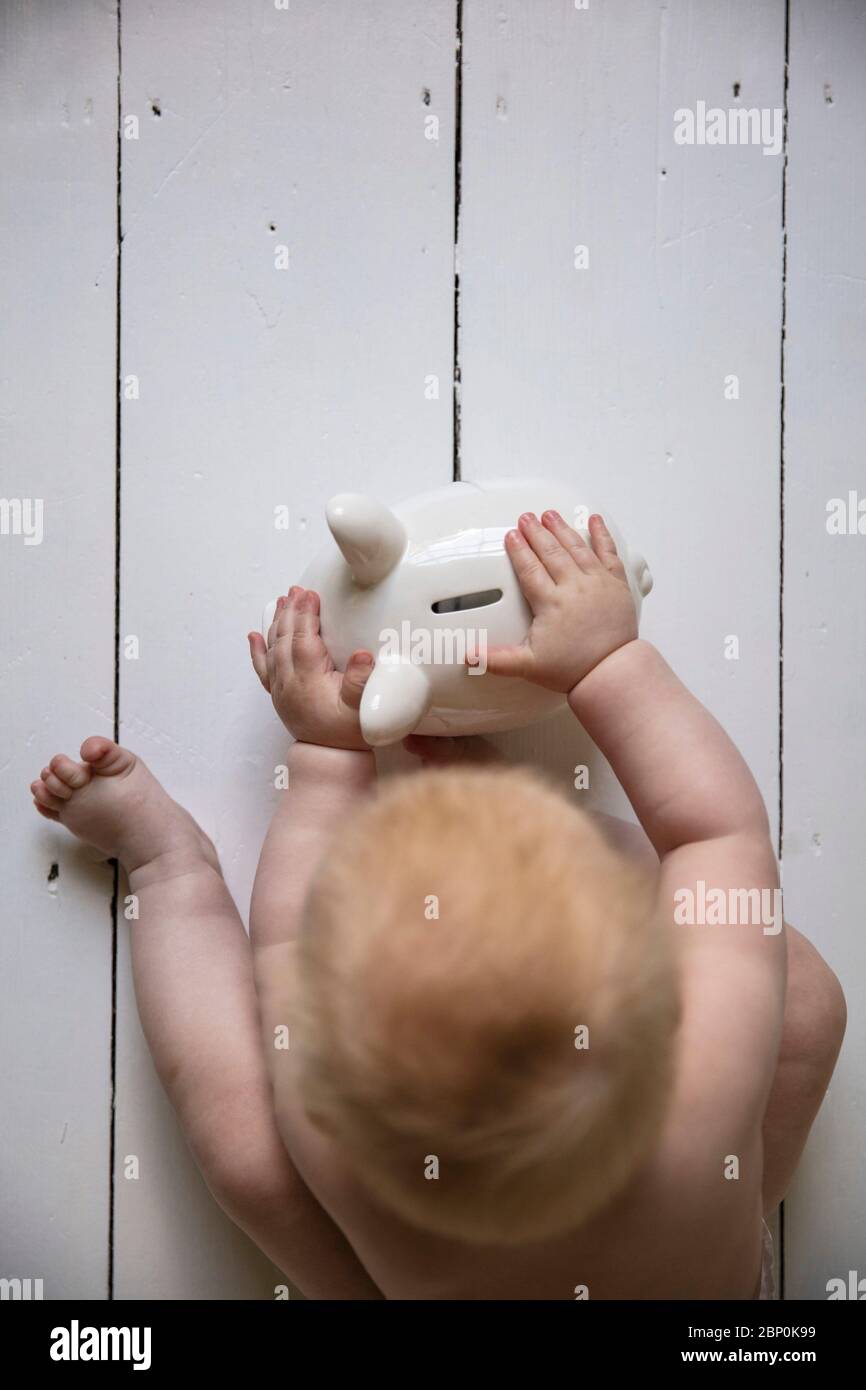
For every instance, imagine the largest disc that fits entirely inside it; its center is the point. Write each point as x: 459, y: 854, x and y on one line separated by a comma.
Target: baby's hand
x: 582, y: 607
x: 316, y: 702
x: 464, y: 750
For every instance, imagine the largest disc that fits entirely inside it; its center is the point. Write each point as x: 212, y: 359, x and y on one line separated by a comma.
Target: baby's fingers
x: 570, y: 540
x: 309, y: 653
x: 441, y: 752
x: 445, y: 752
x: 259, y: 657
x: 503, y: 661
x: 547, y: 547
x: 355, y: 677
x: 535, y: 583
x: 604, y: 546
x: 283, y: 619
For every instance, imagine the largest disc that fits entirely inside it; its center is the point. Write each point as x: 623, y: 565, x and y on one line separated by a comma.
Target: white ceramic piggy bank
x: 421, y: 583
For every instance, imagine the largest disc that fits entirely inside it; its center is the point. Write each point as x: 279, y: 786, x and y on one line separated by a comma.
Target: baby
x: 480, y: 1044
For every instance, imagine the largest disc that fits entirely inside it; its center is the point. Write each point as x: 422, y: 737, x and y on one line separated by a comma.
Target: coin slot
x: 462, y: 602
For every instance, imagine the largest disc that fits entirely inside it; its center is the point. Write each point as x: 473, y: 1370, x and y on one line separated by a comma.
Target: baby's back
x: 687, y: 1225
x: 675, y: 1232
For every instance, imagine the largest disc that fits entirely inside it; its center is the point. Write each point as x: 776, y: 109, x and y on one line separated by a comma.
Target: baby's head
x: 485, y: 1010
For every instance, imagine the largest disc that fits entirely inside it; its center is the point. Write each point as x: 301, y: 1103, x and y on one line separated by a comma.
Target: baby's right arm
x: 683, y: 775
x: 691, y: 789
x: 700, y: 806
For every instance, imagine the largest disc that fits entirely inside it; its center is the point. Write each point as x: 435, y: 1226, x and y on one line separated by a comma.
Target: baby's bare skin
x: 193, y: 974
x: 747, y: 1084
x: 653, y: 1241
x: 682, y: 1229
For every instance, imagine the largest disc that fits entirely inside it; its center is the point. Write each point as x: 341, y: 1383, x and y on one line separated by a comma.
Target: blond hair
x: 483, y: 994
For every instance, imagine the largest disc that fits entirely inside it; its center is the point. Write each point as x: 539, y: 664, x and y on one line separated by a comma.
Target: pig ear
x: 395, y: 699
x: 368, y: 533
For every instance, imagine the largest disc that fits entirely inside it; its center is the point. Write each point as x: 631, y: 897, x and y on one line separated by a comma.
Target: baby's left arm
x: 331, y: 773
x: 330, y: 766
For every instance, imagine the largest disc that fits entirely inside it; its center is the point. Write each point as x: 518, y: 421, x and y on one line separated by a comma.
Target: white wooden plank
x: 259, y: 387
x: 614, y: 375
x: 825, y: 626
x: 58, y: 76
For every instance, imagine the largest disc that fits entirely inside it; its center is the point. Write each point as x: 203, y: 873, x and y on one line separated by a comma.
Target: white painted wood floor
x: 330, y: 130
